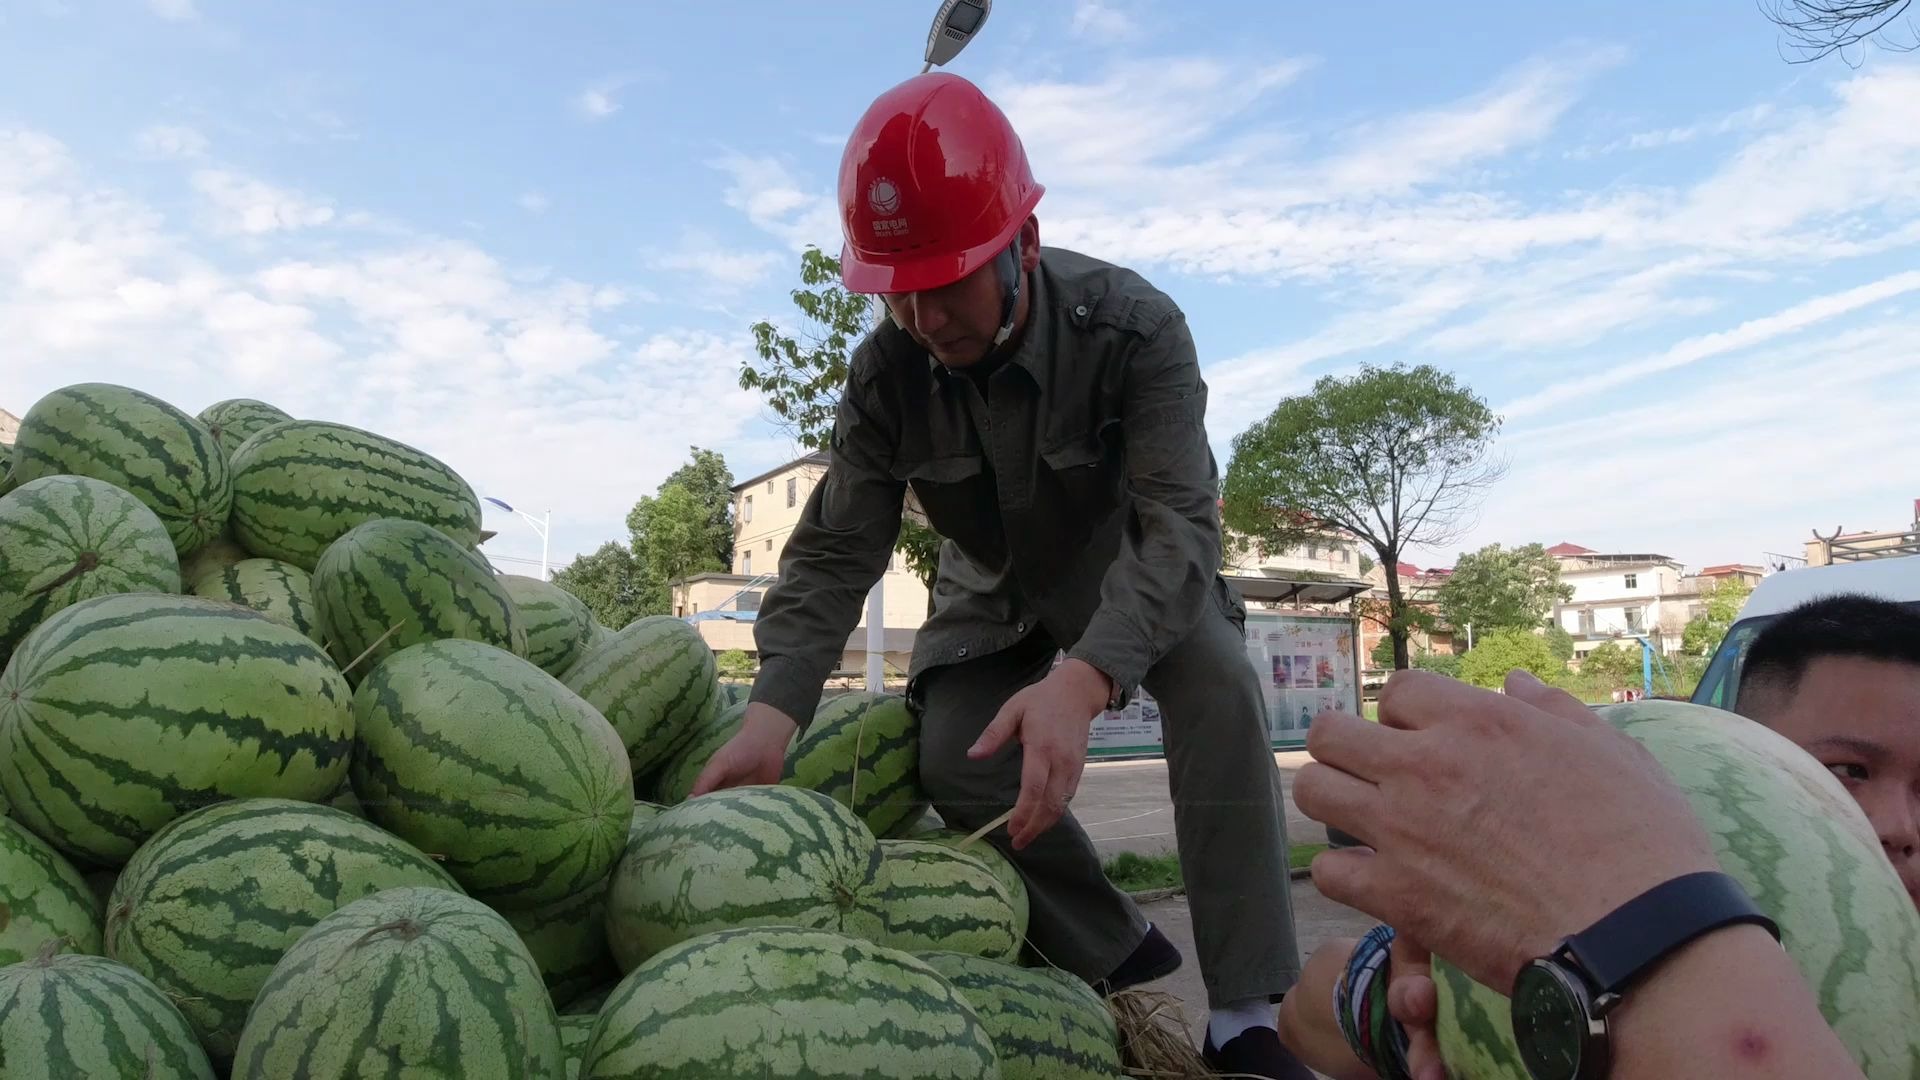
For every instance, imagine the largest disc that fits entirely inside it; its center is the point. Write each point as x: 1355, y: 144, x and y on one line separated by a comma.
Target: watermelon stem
x: 48, y: 950
x: 88, y: 560
x: 404, y: 928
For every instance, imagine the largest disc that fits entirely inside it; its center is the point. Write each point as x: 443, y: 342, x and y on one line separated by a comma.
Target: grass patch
x: 1138, y: 873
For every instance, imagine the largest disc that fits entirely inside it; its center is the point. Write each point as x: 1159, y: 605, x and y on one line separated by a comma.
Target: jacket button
x: 961, y: 651
x: 1019, y: 628
x: 1081, y: 311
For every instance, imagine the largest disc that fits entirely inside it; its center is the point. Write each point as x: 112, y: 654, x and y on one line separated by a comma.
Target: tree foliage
x: 1617, y: 664
x: 1396, y: 456
x: 670, y: 535
x: 609, y: 582
x: 1559, y: 642
x: 1492, y: 656
x: 1703, y: 634
x: 801, y: 376
x: 707, y: 478
x: 1499, y: 588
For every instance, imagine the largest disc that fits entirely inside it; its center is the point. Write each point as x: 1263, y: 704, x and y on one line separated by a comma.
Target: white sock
x: 1227, y: 1023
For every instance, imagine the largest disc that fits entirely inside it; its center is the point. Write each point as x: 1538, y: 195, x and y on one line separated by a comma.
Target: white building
x: 1622, y: 597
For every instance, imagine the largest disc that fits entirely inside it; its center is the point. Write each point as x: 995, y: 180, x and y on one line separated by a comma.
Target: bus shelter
x: 1303, y: 640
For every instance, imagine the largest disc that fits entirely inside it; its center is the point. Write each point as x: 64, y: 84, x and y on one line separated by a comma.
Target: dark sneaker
x: 1156, y: 957
x: 1256, y: 1051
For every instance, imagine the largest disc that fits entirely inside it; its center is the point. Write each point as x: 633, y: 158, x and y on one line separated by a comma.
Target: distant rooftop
x: 1566, y: 551
x: 818, y: 457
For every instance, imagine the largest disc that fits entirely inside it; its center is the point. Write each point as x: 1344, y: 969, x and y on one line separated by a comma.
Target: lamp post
x: 541, y: 526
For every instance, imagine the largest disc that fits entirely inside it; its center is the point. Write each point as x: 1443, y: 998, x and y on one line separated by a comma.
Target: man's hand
x: 1414, y: 1001
x: 1050, y: 719
x: 753, y: 756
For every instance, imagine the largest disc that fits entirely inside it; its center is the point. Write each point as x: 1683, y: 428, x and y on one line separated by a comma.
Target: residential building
x: 1624, y: 596
x: 766, y: 510
x: 1860, y: 546
x: 9, y: 427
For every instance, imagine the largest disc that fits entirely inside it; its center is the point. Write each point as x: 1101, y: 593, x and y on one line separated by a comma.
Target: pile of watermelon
x: 295, y: 784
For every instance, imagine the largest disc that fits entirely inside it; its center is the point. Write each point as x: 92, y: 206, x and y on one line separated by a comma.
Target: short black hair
x: 1847, y: 624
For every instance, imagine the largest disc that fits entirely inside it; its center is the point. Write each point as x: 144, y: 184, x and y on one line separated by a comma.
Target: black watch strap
x: 1645, y: 930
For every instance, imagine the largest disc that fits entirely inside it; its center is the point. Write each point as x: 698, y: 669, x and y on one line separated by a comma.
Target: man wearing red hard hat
x: 1047, y: 411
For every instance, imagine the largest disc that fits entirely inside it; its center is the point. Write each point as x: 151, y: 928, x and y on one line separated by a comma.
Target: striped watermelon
x: 995, y: 861
x: 575, y: 1030
x: 413, y: 580
x: 281, y: 591
x: 299, y: 861
x: 135, y: 442
x: 557, y: 622
x: 733, y: 693
x: 407, y: 982
x: 786, y: 1002
x: 42, y: 899
x: 643, y: 812
x: 123, y: 712
x: 863, y: 750
x: 655, y: 683
x: 745, y: 856
x: 1785, y: 828
x: 1045, y: 1024
x: 933, y: 898
x: 675, y: 780
x: 68, y: 1017
x: 568, y: 940
x: 597, y: 635
x: 218, y: 554
x: 69, y: 538
x: 236, y: 420
x: 474, y: 754
x: 299, y: 486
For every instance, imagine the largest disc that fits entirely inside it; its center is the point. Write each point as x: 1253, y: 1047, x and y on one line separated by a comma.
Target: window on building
x: 746, y: 508
x: 1346, y: 555
x: 1633, y: 581
x: 1313, y: 551
x: 746, y: 562
x: 793, y: 490
x: 769, y: 487
x: 1634, y: 617
x: 1586, y: 620
x: 769, y: 544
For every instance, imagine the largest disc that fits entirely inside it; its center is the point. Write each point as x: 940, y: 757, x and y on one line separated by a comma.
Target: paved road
x: 1124, y: 807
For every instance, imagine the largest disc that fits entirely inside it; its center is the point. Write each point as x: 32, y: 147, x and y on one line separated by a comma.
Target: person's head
x: 936, y: 209
x: 1840, y: 676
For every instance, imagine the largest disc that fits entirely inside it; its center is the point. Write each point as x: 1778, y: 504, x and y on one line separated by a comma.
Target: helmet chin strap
x: 1007, y: 263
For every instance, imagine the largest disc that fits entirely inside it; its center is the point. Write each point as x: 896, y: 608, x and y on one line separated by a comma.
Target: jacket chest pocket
x: 1086, y: 473
x: 953, y: 492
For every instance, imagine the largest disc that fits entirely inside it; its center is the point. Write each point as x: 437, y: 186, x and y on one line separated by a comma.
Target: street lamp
x: 539, y: 525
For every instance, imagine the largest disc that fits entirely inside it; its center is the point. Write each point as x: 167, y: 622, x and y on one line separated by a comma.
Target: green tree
x: 1495, y: 654
x: 1500, y: 588
x: 1382, y: 655
x: 1440, y: 663
x: 1396, y: 456
x: 1559, y: 642
x: 801, y: 376
x: 609, y: 582
x: 670, y: 538
x: 1702, y: 635
x: 734, y: 664
x: 707, y: 478
x: 1615, y: 664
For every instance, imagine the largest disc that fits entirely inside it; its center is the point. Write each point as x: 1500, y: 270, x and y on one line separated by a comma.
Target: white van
x: 1893, y: 578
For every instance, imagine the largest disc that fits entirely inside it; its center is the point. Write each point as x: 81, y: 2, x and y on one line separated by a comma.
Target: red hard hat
x: 933, y: 184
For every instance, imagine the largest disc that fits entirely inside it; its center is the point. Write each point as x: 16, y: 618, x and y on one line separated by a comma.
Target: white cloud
x: 767, y: 192
x: 171, y: 141
x: 1104, y: 21
x: 244, y: 204
x: 601, y: 99
x: 174, y: 10
x: 534, y: 202
x: 703, y: 257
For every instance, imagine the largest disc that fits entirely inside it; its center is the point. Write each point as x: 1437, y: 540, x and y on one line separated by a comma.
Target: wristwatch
x: 1561, y: 1001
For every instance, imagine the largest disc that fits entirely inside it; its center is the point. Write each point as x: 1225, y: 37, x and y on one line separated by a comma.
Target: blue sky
x: 530, y: 237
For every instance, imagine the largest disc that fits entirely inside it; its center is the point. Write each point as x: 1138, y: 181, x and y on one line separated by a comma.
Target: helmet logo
x: 883, y: 196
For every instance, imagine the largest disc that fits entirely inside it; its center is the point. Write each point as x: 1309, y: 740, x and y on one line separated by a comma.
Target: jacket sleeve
x: 1162, y: 581
x: 838, y: 550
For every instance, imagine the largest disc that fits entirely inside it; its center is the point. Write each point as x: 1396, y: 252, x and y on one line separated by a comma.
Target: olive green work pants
x: 1228, y: 811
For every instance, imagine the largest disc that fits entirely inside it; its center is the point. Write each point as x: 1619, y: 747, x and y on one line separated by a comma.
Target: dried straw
x: 1154, y: 1039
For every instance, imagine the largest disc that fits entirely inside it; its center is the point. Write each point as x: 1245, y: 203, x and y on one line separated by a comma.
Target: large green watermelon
x: 281, y: 591
x: 71, y: 1017
x: 391, y: 583
x: 745, y: 856
x: 557, y: 623
x: 43, y: 898
x: 655, y: 683
x: 123, y: 712
x: 69, y: 538
x: 236, y: 420
x: 301, y: 485
x: 675, y: 780
x: 207, y: 906
x: 1045, y: 1024
x: 788, y: 1003
x: 475, y: 755
x: 568, y: 940
x: 863, y: 750
x: 135, y: 442
x: 1786, y: 829
x: 575, y: 1030
x: 933, y: 898
x: 994, y: 860
x: 218, y: 554
x: 410, y: 982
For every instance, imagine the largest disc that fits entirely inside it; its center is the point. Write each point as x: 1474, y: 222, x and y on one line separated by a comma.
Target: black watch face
x: 1549, y: 1022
